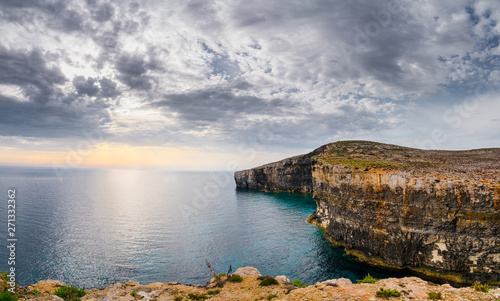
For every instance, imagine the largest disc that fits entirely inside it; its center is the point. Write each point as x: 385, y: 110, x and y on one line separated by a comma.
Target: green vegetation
x: 297, y: 283
x: 4, y: 276
x: 435, y: 296
x: 178, y: 298
x: 368, y: 279
x: 197, y: 297
x: 70, y: 293
x: 270, y: 297
x: 481, y: 287
x: 36, y: 292
x: 360, y: 163
x: 235, y: 279
x: 388, y: 293
x: 133, y: 294
x: 214, y: 292
x: 6, y: 296
x: 267, y: 280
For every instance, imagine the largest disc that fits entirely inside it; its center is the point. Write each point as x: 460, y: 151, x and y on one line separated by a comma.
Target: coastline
x: 250, y: 288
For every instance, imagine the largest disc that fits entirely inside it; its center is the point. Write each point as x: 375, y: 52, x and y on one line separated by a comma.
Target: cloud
x: 203, y: 107
x: 216, y: 73
x: 132, y: 70
x: 30, y: 119
x: 30, y: 71
x: 85, y: 86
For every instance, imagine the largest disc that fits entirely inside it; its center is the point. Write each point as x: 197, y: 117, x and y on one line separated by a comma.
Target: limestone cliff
x: 291, y: 175
x: 434, y: 212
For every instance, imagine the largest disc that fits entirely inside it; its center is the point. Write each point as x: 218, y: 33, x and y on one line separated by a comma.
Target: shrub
x: 388, y: 293
x: 70, y: 293
x: 197, y: 297
x: 270, y: 297
x: 235, y: 278
x: 214, y: 292
x: 435, y: 296
x: 482, y: 287
x: 297, y: 283
x: 36, y: 292
x: 7, y: 297
x: 368, y: 279
x: 133, y: 294
x: 267, y: 280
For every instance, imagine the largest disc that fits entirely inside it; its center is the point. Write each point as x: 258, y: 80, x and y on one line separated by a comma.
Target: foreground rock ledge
x: 410, y: 288
x: 436, y: 213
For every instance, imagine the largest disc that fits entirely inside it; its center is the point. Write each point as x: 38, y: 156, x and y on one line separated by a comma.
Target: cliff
x: 250, y: 289
x: 433, y: 212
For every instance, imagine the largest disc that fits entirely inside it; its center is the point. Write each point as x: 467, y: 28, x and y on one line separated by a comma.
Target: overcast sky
x: 198, y: 84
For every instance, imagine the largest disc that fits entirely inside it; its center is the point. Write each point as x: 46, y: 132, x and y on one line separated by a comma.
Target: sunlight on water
x: 95, y: 227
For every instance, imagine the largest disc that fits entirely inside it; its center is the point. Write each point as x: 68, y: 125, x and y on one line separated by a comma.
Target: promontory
x: 436, y: 213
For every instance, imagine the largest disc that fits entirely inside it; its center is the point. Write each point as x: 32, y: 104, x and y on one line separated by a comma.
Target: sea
x: 94, y: 227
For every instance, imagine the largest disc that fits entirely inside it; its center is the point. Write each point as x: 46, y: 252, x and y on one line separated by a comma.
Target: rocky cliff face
x: 291, y: 175
x: 434, y: 212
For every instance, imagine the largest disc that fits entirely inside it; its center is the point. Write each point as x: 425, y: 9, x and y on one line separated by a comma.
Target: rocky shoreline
x: 250, y: 289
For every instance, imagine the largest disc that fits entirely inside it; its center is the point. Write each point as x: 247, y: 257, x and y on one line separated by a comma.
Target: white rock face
x: 338, y: 282
x: 245, y: 271
x: 282, y: 279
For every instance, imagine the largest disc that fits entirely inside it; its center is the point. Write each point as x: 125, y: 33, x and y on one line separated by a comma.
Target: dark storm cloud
x: 108, y: 88
x: 30, y: 71
x: 103, y: 13
x: 220, y: 104
x: 133, y: 69
x: 85, y: 86
x: 28, y: 119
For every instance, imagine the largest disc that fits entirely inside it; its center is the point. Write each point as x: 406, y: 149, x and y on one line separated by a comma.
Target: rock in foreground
x: 409, y: 288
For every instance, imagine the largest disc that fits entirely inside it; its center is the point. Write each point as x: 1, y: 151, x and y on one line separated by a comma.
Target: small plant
x: 4, y: 276
x: 36, y: 292
x: 6, y: 296
x: 235, y: 279
x: 133, y: 294
x: 482, y: 287
x: 388, y: 293
x: 368, y: 279
x: 178, y: 298
x: 267, y: 280
x: 70, y: 293
x: 214, y: 292
x: 297, y: 283
x: 435, y: 296
x: 197, y: 297
x: 270, y: 297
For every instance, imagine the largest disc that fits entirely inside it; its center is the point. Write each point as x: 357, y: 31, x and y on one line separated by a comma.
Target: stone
x: 337, y: 282
x: 282, y: 279
x: 245, y: 271
x: 47, y: 286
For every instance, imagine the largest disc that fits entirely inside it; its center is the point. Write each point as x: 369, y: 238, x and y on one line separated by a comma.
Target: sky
x: 235, y: 84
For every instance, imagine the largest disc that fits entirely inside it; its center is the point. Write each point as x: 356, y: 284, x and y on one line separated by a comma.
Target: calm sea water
x: 94, y: 227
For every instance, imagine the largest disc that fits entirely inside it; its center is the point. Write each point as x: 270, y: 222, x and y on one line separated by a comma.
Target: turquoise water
x: 94, y: 227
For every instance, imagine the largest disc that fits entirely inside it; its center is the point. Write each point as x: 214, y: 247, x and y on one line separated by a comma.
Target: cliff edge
x: 436, y: 213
